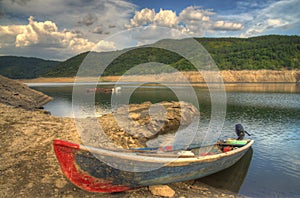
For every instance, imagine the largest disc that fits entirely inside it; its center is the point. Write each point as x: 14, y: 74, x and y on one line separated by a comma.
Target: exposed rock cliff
x: 261, y: 76
x: 228, y: 76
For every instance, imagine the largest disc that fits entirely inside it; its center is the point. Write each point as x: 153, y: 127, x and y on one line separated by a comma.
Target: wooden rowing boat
x: 106, y: 171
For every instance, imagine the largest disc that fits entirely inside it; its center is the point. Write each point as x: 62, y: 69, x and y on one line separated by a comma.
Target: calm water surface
x: 270, y: 112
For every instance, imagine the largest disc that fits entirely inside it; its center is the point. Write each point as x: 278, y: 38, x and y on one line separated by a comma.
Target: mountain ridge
x: 268, y: 52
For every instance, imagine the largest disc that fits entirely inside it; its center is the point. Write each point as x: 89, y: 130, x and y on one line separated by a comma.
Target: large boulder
x: 132, y: 126
x: 148, y: 120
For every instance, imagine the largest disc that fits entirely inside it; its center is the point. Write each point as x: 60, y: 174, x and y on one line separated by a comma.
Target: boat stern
x: 66, y: 155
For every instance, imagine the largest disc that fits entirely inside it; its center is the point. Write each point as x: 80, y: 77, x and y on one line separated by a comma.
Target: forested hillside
x: 67, y: 68
x: 264, y: 52
x: 273, y: 52
x: 24, y: 67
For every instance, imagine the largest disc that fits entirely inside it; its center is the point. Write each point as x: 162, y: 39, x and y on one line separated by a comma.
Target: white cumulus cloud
x: 223, y: 25
x: 192, y: 14
x: 105, y: 46
x: 44, y: 34
x: 143, y: 17
x: 73, y: 15
x: 166, y: 18
x: 146, y: 16
x: 195, y: 20
x: 274, y: 22
x: 192, y: 20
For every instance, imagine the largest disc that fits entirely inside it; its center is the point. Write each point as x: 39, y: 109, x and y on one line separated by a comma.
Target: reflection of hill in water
x: 231, y: 178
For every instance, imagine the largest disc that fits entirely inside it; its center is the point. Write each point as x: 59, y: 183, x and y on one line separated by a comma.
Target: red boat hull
x: 65, y: 153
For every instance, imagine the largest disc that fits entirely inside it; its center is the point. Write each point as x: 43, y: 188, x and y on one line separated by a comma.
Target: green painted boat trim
x: 237, y: 141
x: 233, y: 142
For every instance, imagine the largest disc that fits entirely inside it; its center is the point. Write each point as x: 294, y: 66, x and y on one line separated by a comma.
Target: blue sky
x: 178, y: 6
x: 58, y: 29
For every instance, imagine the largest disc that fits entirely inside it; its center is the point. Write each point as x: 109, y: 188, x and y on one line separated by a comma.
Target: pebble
x: 162, y: 190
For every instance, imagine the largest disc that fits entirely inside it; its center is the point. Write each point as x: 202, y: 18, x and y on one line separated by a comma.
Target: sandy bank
x: 249, y: 76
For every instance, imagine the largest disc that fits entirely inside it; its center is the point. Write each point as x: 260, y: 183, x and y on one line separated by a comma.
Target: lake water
x: 270, y: 112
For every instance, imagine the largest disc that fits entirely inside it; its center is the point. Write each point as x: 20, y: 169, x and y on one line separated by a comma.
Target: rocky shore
x: 28, y: 167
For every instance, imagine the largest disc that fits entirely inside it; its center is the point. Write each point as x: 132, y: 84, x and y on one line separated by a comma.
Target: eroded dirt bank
x: 28, y: 167
x: 17, y: 94
x: 228, y: 76
x: 249, y: 76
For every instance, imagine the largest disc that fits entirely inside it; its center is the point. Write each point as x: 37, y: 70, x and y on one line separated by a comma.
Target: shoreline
x: 245, y: 80
x: 30, y: 168
x: 226, y: 76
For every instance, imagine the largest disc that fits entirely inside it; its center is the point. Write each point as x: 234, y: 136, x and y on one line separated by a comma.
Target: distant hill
x: 24, y: 67
x: 273, y: 52
x: 67, y: 68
